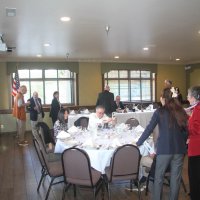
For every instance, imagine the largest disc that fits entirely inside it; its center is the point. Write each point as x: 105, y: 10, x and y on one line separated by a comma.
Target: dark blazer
x: 33, y: 112
x: 121, y: 105
x: 171, y: 140
x: 55, y: 108
x: 106, y: 99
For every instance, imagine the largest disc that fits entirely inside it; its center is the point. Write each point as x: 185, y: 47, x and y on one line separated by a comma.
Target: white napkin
x: 72, y: 142
x: 62, y: 135
x: 73, y: 129
x: 122, y: 126
x: 139, y: 129
x: 115, y: 143
x: 149, y: 148
x: 86, y: 111
x: 88, y: 143
x: 72, y: 112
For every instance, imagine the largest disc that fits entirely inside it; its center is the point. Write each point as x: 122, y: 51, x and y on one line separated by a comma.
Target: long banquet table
x: 100, y: 145
x: 143, y: 118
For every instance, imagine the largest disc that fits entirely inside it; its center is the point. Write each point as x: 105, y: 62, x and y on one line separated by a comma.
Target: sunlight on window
x: 50, y: 88
x: 47, y: 81
x: 51, y: 73
x: 132, y: 85
x: 23, y: 73
x: 36, y: 73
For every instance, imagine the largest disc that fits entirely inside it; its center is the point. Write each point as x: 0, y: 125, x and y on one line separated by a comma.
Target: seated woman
x: 62, y: 122
x: 46, y: 135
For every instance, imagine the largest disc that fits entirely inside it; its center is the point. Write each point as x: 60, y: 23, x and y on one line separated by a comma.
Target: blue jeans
x: 176, y: 164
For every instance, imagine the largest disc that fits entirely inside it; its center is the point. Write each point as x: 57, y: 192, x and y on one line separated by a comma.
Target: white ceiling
x: 168, y: 27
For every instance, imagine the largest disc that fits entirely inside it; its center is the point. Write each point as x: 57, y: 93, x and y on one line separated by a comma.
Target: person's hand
x: 152, y: 155
x: 28, y: 103
x: 188, y: 140
x: 107, y: 120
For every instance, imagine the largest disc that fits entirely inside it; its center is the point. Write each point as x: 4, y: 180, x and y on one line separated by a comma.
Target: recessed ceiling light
x: 39, y: 55
x: 145, y: 48
x: 47, y: 45
x: 199, y: 32
x: 116, y: 57
x: 177, y: 59
x: 65, y: 19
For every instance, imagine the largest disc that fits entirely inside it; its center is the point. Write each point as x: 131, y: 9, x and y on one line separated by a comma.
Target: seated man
x: 99, y: 118
x: 118, y: 103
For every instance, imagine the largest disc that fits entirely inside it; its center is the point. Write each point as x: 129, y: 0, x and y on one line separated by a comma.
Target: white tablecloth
x: 142, y: 117
x: 99, y: 157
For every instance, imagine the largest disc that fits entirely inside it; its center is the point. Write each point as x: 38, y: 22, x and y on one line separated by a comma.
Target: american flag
x: 15, y: 84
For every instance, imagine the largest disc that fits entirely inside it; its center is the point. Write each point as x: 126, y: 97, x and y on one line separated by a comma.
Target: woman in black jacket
x: 55, y: 107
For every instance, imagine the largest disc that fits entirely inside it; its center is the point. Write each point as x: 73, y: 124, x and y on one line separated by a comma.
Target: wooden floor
x: 20, y: 173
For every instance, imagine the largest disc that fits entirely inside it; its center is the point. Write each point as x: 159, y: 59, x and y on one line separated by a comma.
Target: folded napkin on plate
x: 62, y: 135
x: 72, y: 142
x: 73, y: 129
x: 115, y: 143
x: 72, y: 112
x: 122, y: 126
x: 88, y: 143
x: 139, y: 129
x: 86, y: 111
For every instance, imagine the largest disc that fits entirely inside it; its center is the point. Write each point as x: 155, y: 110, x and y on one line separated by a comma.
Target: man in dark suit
x: 106, y: 99
x: 36, y: 111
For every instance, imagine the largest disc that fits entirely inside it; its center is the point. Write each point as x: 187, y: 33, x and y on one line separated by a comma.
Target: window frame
x: 73, y: 84
x: 105, y: 81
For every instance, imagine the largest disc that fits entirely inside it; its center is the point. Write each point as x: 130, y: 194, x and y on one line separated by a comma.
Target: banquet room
x: 77, y: 48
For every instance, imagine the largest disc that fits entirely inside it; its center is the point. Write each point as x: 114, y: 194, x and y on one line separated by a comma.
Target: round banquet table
x: 100, y: 145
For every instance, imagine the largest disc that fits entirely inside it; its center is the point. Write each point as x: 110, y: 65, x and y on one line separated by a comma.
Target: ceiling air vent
x: 10, y: 12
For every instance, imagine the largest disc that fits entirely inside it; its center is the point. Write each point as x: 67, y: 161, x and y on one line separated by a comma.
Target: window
x: 132, y: 85
x: 46, y: 81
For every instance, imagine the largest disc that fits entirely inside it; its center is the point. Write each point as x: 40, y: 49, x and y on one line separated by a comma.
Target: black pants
x: 194, y: 177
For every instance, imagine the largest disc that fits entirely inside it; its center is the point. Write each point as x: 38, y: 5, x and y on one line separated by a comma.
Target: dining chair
x: 80, y: 110
x: 133, y: 122
x: 46, y: 135
x: 78, y: 171
x: 52, y: 169
x: 82, y: 121
x: 151, y: 175
x: 124, y: 165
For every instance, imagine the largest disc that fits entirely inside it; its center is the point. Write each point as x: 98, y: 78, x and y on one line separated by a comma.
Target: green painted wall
x: 89, y: 83
x: 175, y: 73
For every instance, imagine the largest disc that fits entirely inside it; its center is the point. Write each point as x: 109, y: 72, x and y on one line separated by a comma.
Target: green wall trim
x: 106, y: 67
x: 72, y: 66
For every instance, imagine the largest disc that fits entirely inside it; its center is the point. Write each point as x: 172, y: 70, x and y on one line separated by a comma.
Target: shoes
x: 143, y: 180
x: 135, y: 188
x: 23, y: 143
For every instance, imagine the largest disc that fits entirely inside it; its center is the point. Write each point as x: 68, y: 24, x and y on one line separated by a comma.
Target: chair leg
x: 74, y: 187
x: 139, y: 191
x: 94, y: 193
x: 183, y: 184
x: 47, y: 195
x: 109, y: 192
x: 64, y: 190
x: 41, y: 178
x: 147, y: 185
